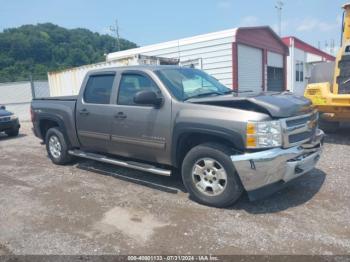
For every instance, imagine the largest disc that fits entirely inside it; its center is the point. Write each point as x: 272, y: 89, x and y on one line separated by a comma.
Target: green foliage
x: 36, y: 49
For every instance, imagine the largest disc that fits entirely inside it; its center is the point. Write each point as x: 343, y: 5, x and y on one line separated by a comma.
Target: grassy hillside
x: 36, y: 49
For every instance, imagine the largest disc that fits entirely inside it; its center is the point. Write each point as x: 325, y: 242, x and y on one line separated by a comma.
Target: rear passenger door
x: 94, y: 111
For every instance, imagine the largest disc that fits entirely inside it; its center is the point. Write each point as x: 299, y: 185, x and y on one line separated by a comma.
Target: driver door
x: 140, y: 131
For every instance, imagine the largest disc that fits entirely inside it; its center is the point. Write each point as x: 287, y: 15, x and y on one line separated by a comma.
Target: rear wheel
x: 57, y: 147
x: 210, y: 177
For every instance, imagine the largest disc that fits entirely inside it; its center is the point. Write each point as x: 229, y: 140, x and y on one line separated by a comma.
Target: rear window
x: 98, y: 89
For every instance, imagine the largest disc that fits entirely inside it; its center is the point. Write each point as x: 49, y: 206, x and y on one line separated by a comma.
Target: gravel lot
x: 90, y: 208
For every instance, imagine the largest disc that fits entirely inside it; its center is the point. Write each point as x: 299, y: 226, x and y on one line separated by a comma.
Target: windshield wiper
x: 238, y: 92
x: 204, y: 94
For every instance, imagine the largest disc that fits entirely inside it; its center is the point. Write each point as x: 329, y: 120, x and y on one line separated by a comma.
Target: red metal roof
x: 307, y: 48
x: 262, y: 37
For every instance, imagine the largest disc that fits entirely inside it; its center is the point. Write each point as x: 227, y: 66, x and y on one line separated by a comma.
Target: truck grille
x: 299, y: 137
x: 5, y: 119
x: 298, y: 130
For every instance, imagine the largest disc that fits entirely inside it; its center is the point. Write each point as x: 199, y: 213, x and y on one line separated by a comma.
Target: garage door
x: 249, y: 68
x: 275, y: 72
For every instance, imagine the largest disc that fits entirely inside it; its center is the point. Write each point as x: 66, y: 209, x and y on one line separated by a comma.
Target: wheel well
x: 45, y: 125
x: 187, y: 141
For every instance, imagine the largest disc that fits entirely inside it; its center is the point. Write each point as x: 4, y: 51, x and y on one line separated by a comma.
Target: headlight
x: 264, y: 134
x: 13, y: 117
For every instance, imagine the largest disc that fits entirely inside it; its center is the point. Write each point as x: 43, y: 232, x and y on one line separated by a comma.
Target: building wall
x: 298, y: 55
x: 68, y: 82
x: 212, y: 55
x: 299, y: 86
x: 310, y: 58
x: 16, y: 96
x: 309, y: 55
x: 214, y: 50
x: 216, y: 53
x: 215, y: 56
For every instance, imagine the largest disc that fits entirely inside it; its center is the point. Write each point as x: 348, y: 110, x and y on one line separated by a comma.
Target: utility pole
x: 32, y: 87
x: 279, y: 7
x: 115, y: 30
x: 331, y: 51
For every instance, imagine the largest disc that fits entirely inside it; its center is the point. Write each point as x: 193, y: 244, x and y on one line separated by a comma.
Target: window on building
x: 98, y: 89
x: 299, y: 71
x: 130, y: 84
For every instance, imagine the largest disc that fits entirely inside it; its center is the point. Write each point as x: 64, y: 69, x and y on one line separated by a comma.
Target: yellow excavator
x: 333, y: 99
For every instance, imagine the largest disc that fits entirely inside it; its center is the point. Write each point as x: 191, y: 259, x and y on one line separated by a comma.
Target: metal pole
x: 32, y: 87
x: 279, y: 6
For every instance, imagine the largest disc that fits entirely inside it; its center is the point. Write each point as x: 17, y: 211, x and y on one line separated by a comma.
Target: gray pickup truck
x: 160, y: 119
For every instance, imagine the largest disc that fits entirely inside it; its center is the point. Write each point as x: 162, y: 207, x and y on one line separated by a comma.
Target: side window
x: 130, y: 84
x: 299, y: 71
x: 98, y: 89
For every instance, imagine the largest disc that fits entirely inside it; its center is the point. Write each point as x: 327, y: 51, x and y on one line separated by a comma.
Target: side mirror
x: 148, y: 97
x: 2, y: 107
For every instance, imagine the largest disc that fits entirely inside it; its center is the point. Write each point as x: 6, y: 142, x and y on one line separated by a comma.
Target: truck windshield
x: 186, y: 83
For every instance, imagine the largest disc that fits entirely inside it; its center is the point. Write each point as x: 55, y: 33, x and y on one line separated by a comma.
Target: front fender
x: 234, y: 137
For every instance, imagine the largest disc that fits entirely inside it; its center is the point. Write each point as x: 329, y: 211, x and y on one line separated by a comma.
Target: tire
x: 57, y: 147
x: 13, y: 132
x: 195, y: 171
x: 329, y: 127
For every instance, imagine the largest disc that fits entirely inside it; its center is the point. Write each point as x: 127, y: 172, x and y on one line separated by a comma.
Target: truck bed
x: 60, y: 109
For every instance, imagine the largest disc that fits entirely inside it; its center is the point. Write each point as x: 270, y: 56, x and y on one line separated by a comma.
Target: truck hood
x: 277, y: 105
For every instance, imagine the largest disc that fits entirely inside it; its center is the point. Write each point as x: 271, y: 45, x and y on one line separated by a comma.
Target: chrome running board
x: 122, y: 163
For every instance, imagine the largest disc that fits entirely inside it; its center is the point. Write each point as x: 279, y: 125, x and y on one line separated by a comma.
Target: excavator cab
x: 333, y: 99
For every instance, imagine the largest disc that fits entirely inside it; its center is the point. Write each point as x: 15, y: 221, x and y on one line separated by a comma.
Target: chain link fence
x: 16, y: 96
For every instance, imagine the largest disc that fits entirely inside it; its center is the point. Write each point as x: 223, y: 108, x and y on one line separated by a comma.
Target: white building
x: 247, y: 58
x: 299, y: 63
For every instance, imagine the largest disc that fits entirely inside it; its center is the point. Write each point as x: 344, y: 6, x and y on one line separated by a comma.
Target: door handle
x: 84, y: 112
x: 120, y: 115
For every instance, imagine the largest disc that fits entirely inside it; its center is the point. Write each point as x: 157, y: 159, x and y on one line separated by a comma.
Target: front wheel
x: 210, y: 177
x: 329, y: 127
x: 13, y: 132
x: 57, y: 147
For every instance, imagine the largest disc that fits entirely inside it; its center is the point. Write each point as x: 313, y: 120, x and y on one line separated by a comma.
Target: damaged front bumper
x: 265, y: 172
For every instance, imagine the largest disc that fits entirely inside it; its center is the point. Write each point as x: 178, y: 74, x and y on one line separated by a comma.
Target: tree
x: 37, y: 49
